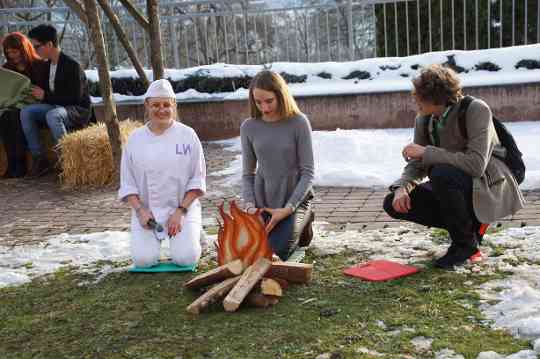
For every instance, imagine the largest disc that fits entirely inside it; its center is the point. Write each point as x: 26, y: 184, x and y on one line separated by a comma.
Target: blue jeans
x: 285, y: 236
x: 35, y: 116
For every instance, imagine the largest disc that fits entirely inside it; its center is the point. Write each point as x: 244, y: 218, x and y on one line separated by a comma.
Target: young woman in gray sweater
x: 277, y: 158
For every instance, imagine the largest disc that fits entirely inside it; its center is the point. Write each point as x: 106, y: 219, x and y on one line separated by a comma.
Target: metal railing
x: 202, y: 32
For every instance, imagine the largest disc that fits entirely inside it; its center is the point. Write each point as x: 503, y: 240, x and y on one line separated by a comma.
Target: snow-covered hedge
x: 504, y: 64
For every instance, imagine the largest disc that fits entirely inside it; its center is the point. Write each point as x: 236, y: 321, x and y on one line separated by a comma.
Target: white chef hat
x: 160, y: 88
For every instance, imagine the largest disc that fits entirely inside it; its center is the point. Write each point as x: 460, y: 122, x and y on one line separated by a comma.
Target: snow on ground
x: 387, y: 74
x: 373, y: 157
x: 512, y: 303
x: 21, y: 263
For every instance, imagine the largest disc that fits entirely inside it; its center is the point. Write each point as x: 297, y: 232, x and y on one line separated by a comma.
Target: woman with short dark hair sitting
x: 466, y: 184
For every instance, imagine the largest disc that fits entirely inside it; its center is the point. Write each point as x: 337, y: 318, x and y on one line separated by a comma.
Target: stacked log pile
x: 261, y: 284
x: 246, y: 273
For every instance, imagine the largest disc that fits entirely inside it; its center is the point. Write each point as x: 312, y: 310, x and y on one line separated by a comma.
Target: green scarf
x: 438, y: 125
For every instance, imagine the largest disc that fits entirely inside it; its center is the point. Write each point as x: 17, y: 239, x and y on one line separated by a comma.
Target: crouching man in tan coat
x: 467, y: 185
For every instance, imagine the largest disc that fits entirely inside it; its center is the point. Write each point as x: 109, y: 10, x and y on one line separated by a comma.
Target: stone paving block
x: 33, y: 210
x: 324, y: 206
x: 351, y: 210
x: 354, y: 202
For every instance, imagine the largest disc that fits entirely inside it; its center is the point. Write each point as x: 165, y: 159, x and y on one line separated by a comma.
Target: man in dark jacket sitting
x: 65, y: 100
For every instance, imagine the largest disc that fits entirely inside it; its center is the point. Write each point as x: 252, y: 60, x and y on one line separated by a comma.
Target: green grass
x: 439, y: 236
x: 143, y: 316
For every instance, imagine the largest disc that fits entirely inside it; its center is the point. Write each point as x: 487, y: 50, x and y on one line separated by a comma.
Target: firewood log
x: 290, y: 271
x: 251, y: 276
x: 231, y: 269
x: 282, y: 282
x: 213, y: 294
x: 257, y: 299
x: 270, y: 286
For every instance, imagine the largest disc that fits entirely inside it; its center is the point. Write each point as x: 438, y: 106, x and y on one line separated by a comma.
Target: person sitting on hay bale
x: 22, y: 69
x: 162, y: 175
x: 66, y: 101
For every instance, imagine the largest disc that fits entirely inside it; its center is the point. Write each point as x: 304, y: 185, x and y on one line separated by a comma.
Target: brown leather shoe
x: 40, y: 167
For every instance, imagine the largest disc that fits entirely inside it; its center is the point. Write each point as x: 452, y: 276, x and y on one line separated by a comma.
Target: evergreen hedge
x: 202, y: 82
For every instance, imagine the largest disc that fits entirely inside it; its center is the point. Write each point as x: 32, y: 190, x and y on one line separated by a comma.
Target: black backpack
x: 514, y: 157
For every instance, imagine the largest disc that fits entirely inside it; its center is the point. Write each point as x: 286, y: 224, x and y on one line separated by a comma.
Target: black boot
x: 40, y: 166
x: 14, y: 141
x: 307, y: 233
x: 457, y: 255
x: 460, y: 223
x: 10, y: 166
x: 19, y: 168
x: 443, y: 261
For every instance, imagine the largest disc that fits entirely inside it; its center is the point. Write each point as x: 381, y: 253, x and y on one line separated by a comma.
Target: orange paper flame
x: 242, y: 236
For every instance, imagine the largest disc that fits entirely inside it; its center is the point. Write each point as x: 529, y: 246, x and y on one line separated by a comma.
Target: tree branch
x: 78, y: 9
x: 120, y: 33
x: 137, y: 15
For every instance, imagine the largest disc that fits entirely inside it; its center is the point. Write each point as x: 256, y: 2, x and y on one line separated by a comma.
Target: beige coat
x: 495, y: 191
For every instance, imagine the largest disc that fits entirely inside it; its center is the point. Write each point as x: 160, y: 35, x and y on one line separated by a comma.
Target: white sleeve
x: 197, y: 178
x: 128, y: 185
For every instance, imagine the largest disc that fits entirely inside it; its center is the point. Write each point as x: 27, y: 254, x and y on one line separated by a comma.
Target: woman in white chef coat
x: 162, y: 176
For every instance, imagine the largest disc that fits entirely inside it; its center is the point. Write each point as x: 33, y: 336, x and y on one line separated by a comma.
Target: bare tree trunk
x: 124, y: 40
x: 77, y: 8
x: 136, y: 14
x: 152, y: 8
x: 61, y: 37
x: 111, y: 119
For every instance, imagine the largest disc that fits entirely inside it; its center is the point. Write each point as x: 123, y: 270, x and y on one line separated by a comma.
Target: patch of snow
x: 448, y: 354
x: 422, y: 344
x: 367, y: 158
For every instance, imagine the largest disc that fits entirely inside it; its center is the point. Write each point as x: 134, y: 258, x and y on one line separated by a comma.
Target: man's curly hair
x: 438, y: 85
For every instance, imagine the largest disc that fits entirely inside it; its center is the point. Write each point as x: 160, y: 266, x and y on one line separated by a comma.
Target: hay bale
x: 86, y: 155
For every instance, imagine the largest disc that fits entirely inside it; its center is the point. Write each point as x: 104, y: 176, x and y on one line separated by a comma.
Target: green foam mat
x: 298, y: 255
x: 164, y: 267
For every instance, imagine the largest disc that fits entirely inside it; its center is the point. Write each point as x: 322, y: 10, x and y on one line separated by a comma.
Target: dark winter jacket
x: 71, y: 90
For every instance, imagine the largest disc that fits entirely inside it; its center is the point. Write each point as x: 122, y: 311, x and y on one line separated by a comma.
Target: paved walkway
x: 33, y: 210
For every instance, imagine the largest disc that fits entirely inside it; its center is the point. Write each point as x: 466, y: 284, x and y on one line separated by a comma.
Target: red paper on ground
x: 380, y: 270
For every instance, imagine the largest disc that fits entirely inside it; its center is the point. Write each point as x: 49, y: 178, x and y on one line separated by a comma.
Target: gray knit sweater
x: 277, y: 159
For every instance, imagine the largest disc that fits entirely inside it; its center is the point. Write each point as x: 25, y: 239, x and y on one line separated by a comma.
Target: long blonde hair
x: 271, y: 81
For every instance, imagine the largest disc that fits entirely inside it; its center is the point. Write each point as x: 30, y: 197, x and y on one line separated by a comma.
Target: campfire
x: 246, y: 273
x: 242, y: 236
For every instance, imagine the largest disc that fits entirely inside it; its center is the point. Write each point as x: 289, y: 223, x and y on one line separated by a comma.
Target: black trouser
x: 445, y: 201
x: 286, y: 234
x: 14, y: 142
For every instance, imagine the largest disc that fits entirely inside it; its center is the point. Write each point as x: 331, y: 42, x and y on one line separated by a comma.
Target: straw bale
x: 86, y: 155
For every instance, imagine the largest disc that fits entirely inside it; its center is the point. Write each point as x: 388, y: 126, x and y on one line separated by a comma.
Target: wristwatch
x: 183, y: 210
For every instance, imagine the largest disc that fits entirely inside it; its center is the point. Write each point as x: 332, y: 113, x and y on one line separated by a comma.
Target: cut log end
x: 231, y: 269
x: 259, y: 300
x: 291, y: 272
x: 271, y: 287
